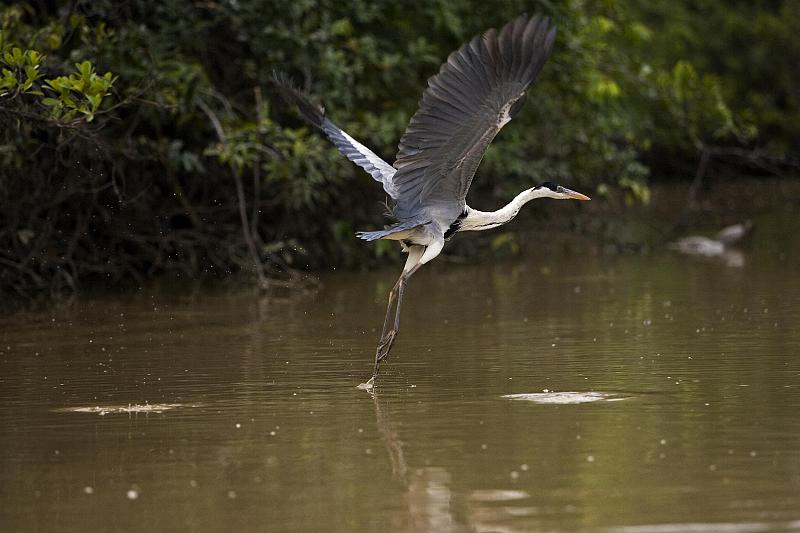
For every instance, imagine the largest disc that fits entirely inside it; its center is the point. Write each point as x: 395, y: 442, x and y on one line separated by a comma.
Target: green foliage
x: 149, y: 184
x: 20, y: 69
x: 78, y: 93
x: 740, y: 47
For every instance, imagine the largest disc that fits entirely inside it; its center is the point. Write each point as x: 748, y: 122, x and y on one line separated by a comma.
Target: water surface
x: 651, y: 394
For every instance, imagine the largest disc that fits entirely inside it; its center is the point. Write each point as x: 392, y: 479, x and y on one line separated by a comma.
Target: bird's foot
x: 384, y: 347
x: 369, y: 386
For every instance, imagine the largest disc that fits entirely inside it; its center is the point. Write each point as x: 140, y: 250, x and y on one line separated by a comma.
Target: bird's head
x: 548, y: 189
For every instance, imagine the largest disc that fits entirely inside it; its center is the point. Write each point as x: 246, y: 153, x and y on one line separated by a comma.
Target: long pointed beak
x: 573, y: 194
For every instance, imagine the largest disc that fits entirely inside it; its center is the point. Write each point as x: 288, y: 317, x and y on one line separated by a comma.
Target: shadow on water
x: 628, y: 394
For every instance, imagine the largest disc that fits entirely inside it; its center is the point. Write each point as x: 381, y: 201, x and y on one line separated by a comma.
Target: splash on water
x: 497, y: 495
x: 565, y: 397
x: 130, y: 408
x: 712, y: 527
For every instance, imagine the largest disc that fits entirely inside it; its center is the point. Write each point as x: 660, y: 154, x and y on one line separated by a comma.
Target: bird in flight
x: 477, y: 91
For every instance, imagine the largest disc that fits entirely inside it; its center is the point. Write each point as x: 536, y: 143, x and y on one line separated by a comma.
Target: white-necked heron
x: 477, y: 91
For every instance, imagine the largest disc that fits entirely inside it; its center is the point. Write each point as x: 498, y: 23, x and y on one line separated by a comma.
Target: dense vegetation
x: 145, y: 137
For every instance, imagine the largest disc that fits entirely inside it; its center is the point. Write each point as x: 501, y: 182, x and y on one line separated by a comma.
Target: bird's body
x: 479, y: 89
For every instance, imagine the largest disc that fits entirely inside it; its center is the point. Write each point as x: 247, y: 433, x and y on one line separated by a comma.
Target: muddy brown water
x: 636, y: 394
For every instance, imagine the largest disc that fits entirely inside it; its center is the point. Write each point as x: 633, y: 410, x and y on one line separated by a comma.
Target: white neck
x: 481, y: 220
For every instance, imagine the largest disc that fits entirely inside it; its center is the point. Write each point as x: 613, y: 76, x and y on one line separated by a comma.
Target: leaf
x: 55, y: 84
x: 342, y: 27
x: 34, y: 58
x: 8, y: 83
x: 85, y: 68
x: 94, y: 99
x: 18, y: 55
x: 32, y: 74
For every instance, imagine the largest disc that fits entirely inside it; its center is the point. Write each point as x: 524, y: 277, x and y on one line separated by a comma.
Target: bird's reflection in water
x: 431, y: 503
x: 393, y: 444
x: 427, y: 495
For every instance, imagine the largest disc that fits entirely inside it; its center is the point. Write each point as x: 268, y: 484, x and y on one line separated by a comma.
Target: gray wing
x: 380, y: 170
x: 476, y: 92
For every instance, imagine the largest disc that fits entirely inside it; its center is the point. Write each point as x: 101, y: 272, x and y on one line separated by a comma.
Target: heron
x: 476, y: 92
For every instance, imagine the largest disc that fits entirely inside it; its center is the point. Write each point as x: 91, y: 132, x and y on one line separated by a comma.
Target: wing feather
x: 380, y: 170
x: 478, y: 89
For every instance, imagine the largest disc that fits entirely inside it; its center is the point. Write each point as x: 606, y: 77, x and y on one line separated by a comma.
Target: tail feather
x: 395, y: 232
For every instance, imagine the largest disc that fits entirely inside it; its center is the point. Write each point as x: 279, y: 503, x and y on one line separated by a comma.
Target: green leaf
x: 55, y: 84
x: 34, y: 58
x: 94, y: 99
x: 18, y: 56
x: 32, y: 73
x: 85, y: 69
x: 342, y: 27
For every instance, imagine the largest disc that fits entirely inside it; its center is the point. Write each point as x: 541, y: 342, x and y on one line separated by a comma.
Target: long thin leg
x: 391, y: 327
x: 401, y: 287
x: 389, y: 307
x: 388, y: 337
x: 417, y: 256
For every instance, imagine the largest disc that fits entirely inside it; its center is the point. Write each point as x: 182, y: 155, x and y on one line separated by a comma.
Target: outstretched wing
x: 380, y: 170
x: 476, y: 92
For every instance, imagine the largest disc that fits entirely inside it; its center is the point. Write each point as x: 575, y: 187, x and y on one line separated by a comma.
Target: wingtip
x: 282, y: 80
x: 311, y: 111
